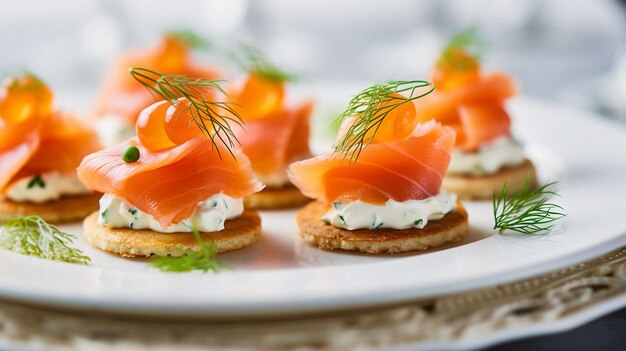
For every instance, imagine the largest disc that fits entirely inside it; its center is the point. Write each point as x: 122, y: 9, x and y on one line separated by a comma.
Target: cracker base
x: 452, y: 227
x: 239, y: 232
x: 482, y: 187
x: 276, y: 198
x: 66, y: 209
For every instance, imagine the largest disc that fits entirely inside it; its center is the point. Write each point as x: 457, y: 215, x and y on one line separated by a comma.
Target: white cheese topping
x: 46, y: 187
x: 393, y: 214
x: 209, y: 215
x: 489, y: 158
x: 112, y: 130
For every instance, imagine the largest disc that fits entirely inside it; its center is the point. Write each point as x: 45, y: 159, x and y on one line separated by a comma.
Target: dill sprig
x: 212, y: 117
x: 371, y: 106
x: 191, y: 39
x: 251, y: 59
x: 204, y: 259
x: 524, y: 210
x: 468, y: 41
x: 32, y: 236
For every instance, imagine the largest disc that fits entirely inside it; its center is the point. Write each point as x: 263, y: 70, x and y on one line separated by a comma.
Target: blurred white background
x: 558, y: 49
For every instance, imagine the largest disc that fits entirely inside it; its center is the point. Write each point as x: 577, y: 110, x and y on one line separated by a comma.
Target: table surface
x: 606, y: 333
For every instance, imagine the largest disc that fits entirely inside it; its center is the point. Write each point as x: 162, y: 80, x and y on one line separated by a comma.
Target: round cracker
x: 276, y: 198
x: 239, y: 232
x: 482, y: 187
x: 452, y: 227
x: 66, y: 209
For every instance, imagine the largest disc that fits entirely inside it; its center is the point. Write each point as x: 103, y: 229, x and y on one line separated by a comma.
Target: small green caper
x: 130, y: 154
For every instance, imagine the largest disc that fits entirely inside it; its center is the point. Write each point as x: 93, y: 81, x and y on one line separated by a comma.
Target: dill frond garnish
x: 212, y: 117
x: 251, y: 59
x: 465, y: 49
x: 526, y: 211
x: 371, y: 106
x: 32, y: 236
x: 191, y: 39
x: 204, y: 259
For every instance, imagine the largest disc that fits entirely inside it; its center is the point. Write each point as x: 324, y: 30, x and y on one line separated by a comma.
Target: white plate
x: 283, y: 275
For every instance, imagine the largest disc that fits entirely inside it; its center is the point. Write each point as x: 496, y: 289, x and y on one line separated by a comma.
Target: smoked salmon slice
x: 168, y: 184
x: 123, y: 96
x: 404, y: 169
x: 40, y: 140
x: 475, y: 110
x: 18, y: 143
x: 64, y: 143
x: 276, y: 140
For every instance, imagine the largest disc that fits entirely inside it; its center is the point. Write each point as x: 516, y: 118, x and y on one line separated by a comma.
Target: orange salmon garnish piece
x: 24, y: 97
x: 180, y: 122
x: 255, y: 97
x: 150, y: 127
x: 399, y: 122
x: 455, y: 69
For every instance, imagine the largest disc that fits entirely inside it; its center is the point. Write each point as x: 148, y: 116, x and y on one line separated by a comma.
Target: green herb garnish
x: 253, y: 60
x: 212, y: 117
x: 371, y: 106
x: 132, y: 211
x: 418, y: 222
x: 36, y: 181
x: 204, y: 259
x: 377, y: 223
x: 342, y: 220
x: 526, y: 211
x: 467, y: 41
x: 191, y: 39
x: 130, y: 154
x: 32, y: 236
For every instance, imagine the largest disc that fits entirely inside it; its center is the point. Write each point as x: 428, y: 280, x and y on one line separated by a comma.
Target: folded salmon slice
x: 168, y: 184
x: 275, y: 141
x: 18, y: 143
x: 38, y: 145
x: 64, y: 143
x: 409, y: 169
x: 475, y: 111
